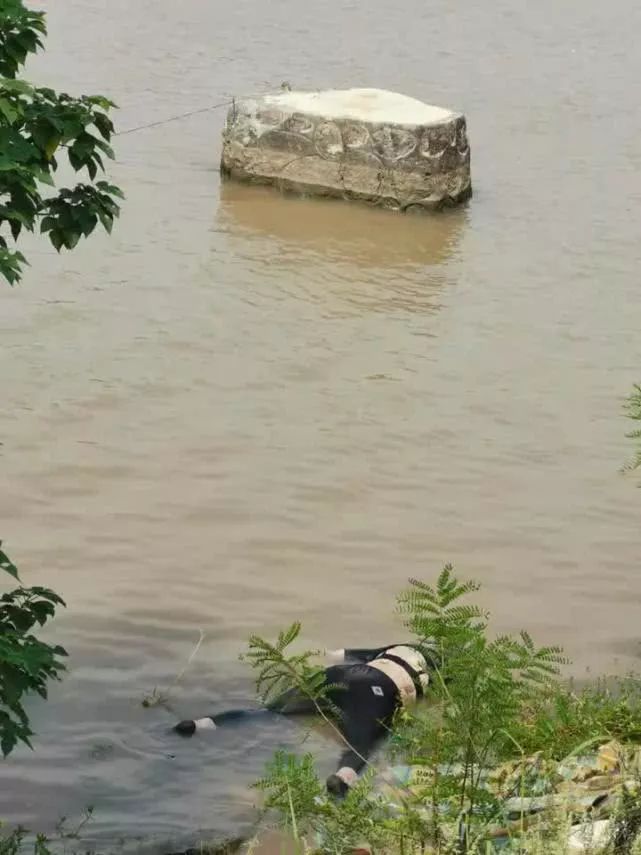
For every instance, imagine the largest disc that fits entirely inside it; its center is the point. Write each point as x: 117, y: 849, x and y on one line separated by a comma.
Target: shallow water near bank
x: 242, y: 409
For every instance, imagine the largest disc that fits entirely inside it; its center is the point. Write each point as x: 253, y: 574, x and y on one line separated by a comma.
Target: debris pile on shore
x: 584, y: 793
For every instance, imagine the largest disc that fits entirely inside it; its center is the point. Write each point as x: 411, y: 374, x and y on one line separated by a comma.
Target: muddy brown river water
x: 241, y: 409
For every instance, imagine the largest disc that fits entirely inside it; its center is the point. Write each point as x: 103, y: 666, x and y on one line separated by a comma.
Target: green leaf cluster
x: 293, y: 792
x: 278, y: 672
x: 492, y: 700
x: 41, y: 129
x: 26, y: 663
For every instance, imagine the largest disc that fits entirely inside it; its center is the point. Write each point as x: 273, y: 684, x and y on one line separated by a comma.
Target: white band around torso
x: 399, y: 676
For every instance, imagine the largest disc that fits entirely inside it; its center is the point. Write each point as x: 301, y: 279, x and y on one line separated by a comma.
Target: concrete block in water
x: 363, y: 144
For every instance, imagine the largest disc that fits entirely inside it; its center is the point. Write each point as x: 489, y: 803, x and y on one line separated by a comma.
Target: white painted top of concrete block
x: 365, y: 105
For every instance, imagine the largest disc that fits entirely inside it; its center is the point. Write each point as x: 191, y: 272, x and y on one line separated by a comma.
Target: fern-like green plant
x: 279, y: 672
x: 438, y: 618
x: 294, y: 792
x: 480, y: 688
x: 292, y: 788
x: 489, y: 700
x: 285, y: 679
x: 558, y: 719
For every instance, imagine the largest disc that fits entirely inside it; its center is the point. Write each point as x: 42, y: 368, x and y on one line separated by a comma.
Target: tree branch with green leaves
x: 26, y: 663
x: 489, y: 699
x: 480, y: 685
x: 39, y: 130
x: 280, y: 673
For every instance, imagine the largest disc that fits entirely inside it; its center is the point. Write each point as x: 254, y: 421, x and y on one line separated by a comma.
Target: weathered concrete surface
x: 365, y: 144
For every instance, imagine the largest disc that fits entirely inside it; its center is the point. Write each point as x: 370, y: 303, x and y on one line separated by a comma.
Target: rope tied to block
x: 176, y: 118
x: 285, y: 86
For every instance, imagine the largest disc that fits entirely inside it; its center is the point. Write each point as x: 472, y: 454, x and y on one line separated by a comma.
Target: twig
x: 157, y: 697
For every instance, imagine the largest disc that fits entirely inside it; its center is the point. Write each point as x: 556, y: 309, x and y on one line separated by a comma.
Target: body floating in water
x: 366, y: 688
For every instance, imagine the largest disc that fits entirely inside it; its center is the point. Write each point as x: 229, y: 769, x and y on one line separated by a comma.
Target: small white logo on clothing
x: 377, y: 691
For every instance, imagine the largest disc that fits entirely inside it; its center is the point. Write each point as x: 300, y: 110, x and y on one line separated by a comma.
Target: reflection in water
x: 341, y: 231
x: 348, y: 258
